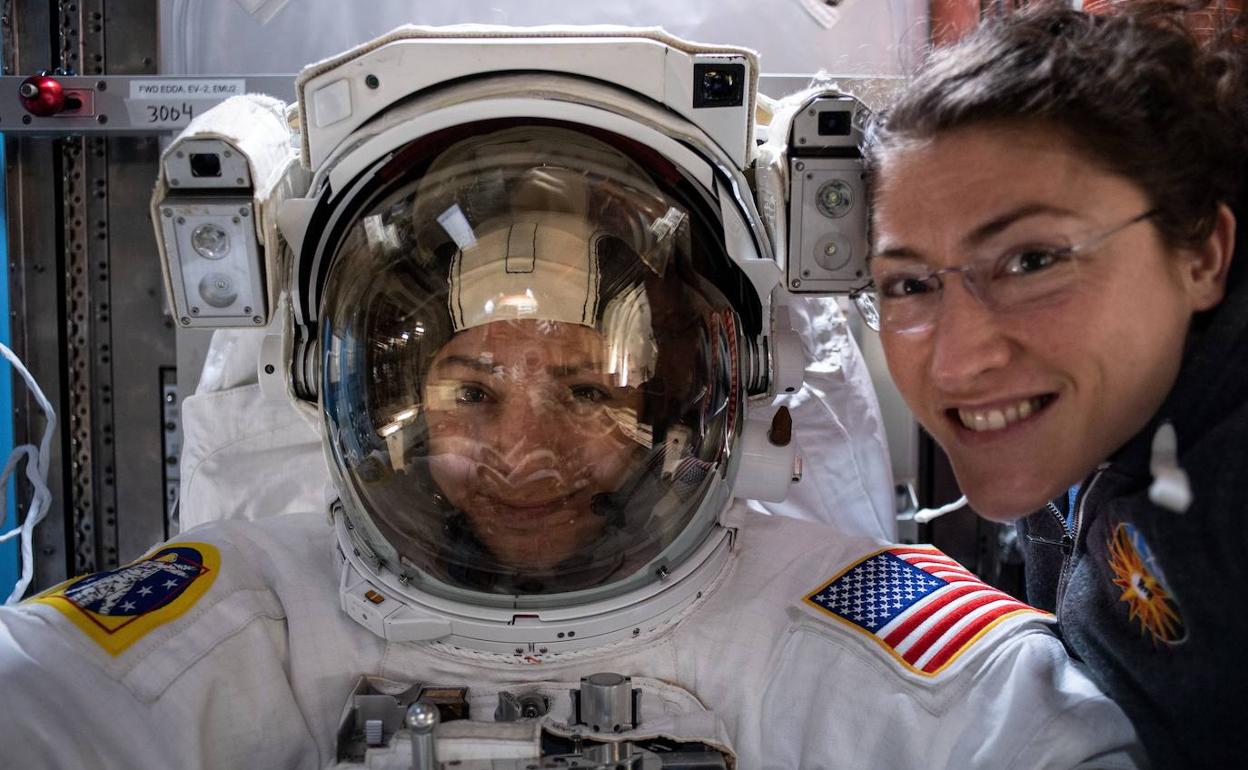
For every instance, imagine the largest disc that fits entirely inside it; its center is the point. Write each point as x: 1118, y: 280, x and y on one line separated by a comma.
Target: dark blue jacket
x: 1154, y: 602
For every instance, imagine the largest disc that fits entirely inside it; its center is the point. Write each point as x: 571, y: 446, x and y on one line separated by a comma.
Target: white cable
x: 924, y: 515
x: 36, y: 473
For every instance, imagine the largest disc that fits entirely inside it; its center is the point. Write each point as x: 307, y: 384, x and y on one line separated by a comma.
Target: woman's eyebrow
x: 897, y: 252
x: 475, y: 363
x: 487, y: 366
x: 987, y: 230
x: 572, y: 369
x: 999, y: 224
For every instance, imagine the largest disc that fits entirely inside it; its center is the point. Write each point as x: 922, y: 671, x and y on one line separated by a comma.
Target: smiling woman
x: 1054, y: 223
x: 1045, y: 347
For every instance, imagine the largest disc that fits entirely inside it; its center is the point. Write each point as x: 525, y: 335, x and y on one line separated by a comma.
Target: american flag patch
x: 921, y: 606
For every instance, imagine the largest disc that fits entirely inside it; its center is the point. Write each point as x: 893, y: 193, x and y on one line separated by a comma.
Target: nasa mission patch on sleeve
x: 920, y: 606
x: 118, y: 607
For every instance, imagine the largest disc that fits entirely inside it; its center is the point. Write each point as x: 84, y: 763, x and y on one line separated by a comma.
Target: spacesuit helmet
x: 531, y: 376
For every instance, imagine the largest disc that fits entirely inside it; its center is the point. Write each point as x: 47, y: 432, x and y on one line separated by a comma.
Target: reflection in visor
x: 525, y: 378
x: 523, y: 443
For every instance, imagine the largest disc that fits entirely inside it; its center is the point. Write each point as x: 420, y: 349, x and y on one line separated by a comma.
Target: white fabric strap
x: 36, y: 474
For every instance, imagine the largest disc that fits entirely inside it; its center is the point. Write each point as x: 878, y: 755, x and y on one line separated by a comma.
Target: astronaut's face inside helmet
x: 529, y: 372
x: 529, y: 426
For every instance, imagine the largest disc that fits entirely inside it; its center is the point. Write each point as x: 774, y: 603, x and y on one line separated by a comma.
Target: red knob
x: 42, y: 95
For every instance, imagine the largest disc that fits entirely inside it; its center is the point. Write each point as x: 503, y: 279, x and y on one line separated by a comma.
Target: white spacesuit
x: 538, y: 354
x: 256, y: 673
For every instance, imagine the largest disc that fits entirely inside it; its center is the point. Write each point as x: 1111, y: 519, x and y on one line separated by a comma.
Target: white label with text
x: 172, y: 103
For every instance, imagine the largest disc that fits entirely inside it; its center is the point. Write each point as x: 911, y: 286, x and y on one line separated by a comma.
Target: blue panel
x: 8, y: 551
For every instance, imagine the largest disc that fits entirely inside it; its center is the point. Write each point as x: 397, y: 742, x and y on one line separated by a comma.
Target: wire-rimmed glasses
x: 907, y: 299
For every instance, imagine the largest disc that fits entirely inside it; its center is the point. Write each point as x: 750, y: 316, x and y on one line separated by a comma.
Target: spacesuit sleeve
x: 191, y: 679
x: 847, y: 479
x: 1017, y: 703
x: 244, y: 456
x: 1061, y: 717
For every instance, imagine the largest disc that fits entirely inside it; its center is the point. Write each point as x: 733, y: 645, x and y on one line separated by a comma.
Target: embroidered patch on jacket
x: 921, y: 606
x: 118, y: 607
x: 1144, y: 588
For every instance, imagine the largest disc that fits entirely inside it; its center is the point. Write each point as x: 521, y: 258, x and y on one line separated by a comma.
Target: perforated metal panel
x: 85, y: 294
x: 89, y: 354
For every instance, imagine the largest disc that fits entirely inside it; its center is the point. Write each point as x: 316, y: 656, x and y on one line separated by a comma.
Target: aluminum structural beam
x: 59, y: 105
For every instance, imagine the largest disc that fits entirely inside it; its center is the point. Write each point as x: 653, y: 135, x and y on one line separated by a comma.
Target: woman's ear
x: 1205, y: 272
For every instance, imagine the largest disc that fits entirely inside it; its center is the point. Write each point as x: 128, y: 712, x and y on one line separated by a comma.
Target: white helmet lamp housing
x: 534, y: 304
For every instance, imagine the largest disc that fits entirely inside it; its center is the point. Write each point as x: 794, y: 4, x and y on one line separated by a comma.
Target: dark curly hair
x: 1135, y: 91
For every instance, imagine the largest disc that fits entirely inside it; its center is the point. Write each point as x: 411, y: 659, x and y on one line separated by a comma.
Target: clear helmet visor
x: 529, y: 384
